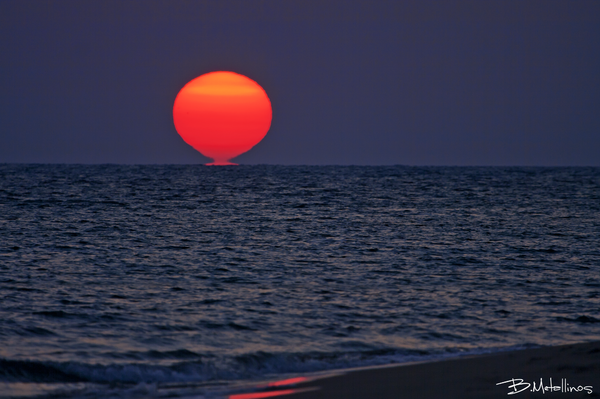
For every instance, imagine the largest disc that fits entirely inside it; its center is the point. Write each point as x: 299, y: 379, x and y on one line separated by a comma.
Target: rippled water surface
x: 191, y: 274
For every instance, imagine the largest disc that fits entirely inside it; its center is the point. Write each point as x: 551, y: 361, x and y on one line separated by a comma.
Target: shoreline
x: 570, y: 371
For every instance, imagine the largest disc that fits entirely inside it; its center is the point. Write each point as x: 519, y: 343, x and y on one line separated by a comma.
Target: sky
x: 351, y: 82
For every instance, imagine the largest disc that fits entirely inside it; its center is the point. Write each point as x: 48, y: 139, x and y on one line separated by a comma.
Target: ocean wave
x: 207, y: 368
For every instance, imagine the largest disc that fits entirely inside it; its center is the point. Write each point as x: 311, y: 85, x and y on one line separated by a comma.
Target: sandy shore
x: 574, y: 370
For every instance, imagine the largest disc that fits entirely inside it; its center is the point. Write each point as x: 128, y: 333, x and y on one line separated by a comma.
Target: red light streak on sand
x: 289, y: 381
x: 222, y: 115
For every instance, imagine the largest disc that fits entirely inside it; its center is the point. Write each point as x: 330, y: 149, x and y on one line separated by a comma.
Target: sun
x: 222, y: 115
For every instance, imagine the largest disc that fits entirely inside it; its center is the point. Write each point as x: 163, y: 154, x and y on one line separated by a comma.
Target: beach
x: 570, y: 371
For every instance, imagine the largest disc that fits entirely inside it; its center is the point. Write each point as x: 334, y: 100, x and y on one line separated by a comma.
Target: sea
x: 191, y: 281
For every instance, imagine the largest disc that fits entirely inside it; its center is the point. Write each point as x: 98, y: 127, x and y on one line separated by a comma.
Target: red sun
x: 222, y: 115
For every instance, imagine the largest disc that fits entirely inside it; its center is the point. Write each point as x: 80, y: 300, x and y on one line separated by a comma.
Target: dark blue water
x: 126, y: 281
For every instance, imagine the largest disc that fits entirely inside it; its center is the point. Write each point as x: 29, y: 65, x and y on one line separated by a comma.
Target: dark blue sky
x: 414, y: 82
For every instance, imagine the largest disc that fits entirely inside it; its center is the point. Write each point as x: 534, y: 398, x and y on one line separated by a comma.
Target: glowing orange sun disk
x: 222, y: 115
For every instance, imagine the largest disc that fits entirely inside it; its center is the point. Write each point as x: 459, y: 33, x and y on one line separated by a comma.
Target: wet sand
x: 574, y: 370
